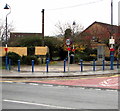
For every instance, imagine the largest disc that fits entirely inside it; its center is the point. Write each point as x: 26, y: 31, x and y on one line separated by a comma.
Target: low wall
x: 22, y: 51
x: 41, y: 50
x: 19, y: 50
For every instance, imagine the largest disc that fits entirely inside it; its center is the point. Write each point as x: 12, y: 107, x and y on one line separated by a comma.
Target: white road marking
x: 47, y: 85
x: 110, y: 82
x: 37, y: 104
x: 33, y: 84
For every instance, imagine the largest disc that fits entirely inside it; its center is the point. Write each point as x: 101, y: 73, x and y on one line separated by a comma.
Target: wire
x: 74, y: 6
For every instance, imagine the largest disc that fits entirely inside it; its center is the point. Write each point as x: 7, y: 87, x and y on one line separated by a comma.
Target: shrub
x: 28, y: 60
x: 14, y: 57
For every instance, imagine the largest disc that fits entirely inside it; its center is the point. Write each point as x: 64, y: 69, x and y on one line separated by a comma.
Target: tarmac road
x: 41, y: 96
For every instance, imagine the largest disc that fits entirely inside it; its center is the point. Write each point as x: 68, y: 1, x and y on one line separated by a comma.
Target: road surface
x: 44, y: 96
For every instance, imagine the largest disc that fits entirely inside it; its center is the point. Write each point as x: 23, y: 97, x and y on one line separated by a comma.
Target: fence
x: 62, y: 66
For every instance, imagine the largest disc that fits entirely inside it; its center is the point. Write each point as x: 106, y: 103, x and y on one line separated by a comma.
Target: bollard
x: 47, y: 62
x: 32, y: 65
x: 111, y: 60
x: 9, y: 64
x: 103, y: 64
x: 117, y: 63
x: 18, y: 65
x: 64, y: 65
x: 94, y: 65
x: 6, y: 62
x: 81, y: 65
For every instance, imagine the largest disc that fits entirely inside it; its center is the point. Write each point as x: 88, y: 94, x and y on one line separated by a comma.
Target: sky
x: 26, y: 15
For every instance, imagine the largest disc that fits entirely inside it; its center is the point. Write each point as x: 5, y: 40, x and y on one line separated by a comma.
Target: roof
x: 108, y: 26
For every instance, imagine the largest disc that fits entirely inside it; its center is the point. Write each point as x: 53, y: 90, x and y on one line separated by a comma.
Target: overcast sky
x: 26, y: 15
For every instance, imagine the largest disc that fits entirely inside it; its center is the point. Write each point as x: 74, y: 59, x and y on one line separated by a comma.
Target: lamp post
x: 7, y: 7
x: 6, y: 48
x: 111, y: 40
x: 73, y: 40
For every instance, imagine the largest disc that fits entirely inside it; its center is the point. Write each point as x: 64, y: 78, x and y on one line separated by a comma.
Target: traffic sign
x: 6, y: 49
x: 73, y: 50
x: 69, y: 48
x: 68, y: 42
x: 112, y: 41
x: 112, y: 49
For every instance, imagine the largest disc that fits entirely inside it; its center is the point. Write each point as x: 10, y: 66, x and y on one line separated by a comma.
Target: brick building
x: 100, y: 33
x: 21, y: 34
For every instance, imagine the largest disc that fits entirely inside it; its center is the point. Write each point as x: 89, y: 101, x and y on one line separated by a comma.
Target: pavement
x: 111, y: 82
x: 56, y: 70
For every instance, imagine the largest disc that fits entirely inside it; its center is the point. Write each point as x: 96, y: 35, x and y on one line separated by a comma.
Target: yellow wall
x: 23, y: 50
x: 19, y: 50
x: 41, y: 50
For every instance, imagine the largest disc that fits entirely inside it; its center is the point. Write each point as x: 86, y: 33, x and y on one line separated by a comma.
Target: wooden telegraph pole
x: 43, y: 27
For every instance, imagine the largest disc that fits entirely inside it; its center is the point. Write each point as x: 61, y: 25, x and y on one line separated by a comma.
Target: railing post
x: 64, y: 65
x: 117, y: 63
x: 47, y: 62
x: 103, y: 64
x: 32, y: 65
x: 94, y: 65
x: 111, y: 60
x: 6, y: 62
x: 18, y: 65
x: 9, y: 64
x: 81, y: 65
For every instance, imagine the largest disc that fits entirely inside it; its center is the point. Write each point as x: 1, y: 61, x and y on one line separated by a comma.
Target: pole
x: 43, y: 27
x: 94, y: 65
x: 112, y: 46
x: 64, y: 64
x: 6, y: 61
x: 18, y: 65
x: 47, y: 62
x: 111, y: 12
x: 68, y: 60
x: 81, y: 65
x: 6, y: 31
x: 32, y: 65
x: 7, y: 7
x: 103, y: 64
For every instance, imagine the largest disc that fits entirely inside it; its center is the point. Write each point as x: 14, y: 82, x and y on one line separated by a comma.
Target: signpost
x: 112, y: 42
x: 68, y: 43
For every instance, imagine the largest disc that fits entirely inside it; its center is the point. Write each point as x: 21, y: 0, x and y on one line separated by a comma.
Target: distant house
x: 21, y: 34
x: 100, y: 33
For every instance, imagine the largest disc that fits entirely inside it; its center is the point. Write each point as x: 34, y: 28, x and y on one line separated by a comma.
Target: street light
x: 7, y: 7
x: 6, y: 49
x: 73, y: 48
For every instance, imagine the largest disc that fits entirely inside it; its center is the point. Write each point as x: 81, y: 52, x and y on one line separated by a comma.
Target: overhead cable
x: 74, y: 6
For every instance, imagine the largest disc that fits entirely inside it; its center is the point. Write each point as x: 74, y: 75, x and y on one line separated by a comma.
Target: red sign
x: 6, y: 49
x: 69, y: 48
x: 112, y: 49
x: 73, y: 50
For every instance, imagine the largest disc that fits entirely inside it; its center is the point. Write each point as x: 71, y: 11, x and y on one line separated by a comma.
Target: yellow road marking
x: 13, y: 81
x: 94, y: 77
x: 57, y: 79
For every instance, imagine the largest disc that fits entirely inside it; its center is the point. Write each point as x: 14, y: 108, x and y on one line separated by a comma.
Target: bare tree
x: 75, y: 28
x: 3, y: 30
